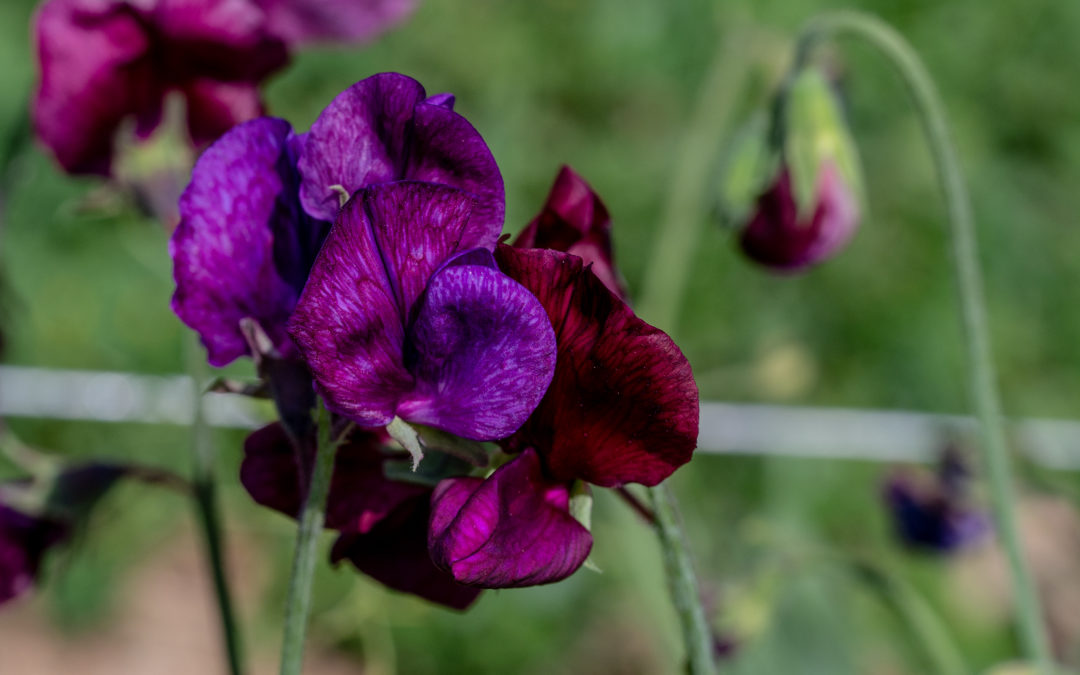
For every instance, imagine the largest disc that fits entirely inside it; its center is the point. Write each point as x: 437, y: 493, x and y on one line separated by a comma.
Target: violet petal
x: 24, y: 539
x: 300, y: 21
x: 513, y: 529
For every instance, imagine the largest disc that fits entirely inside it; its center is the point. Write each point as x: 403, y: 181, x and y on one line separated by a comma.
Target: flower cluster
x: 107, y: 62
x: 366, y: 255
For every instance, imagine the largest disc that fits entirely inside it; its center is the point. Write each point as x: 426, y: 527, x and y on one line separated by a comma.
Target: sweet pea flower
x: 382, y: 522
x: 778, y: 236
x: 262, y: 198
x: 405, y: 315
x: 106, y: 62
x: 24, y: 540
x: 622, y: 408
x: 575, y: 220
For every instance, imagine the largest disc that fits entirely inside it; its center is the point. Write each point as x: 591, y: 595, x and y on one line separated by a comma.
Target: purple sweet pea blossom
x: 406, y: 315
x: 105, y: 62
x: 24, y: 539
x: 246, y: 242
x: 622, y: 407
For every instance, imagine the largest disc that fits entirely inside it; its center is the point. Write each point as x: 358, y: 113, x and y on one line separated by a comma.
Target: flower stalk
x: 298, y: 603
x: 204, y: 491
x: 982, y: 378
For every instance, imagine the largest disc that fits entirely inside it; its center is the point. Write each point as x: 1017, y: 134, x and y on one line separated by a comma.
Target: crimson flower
x: 107, y: 62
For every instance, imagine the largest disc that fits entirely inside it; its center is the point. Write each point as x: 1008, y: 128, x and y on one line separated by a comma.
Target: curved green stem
x: 685, y: 594
x: 298, y: 603
x: 983, y: 384
x: 204, y: 491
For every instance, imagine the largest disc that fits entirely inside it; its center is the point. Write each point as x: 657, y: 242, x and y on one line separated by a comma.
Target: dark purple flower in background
x: 575, y: 220
x: 933, y: 511
x: 104, y: 63
x: 406, y: 315
x: 383, y: 523
x: 246, y: 242
x: 24, y: 540
x: 778, y: 236
x: 622, y: 408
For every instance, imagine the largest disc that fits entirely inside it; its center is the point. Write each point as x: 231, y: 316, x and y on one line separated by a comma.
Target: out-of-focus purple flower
x: 107, y: 62
x: 383, y: 523
x: 575, y: 220
x: 622, y: 407
x: 24, y: 539
x: 780, y: 237
x: 932, y: 511
x: 406, y: 315
x: 246, y: 242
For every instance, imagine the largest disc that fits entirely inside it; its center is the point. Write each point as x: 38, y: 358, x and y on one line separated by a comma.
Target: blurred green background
x: 608, y: 86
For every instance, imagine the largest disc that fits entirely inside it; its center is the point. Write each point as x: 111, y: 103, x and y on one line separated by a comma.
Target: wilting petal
x: 91, y: 79
x: 777, y: 237
x: 241, y: 203
x: 574, y: 220
x: 298, y: 21
x: 395, y: 553
x: 623, y: 405
x: 350, y: 321
x: 23, y: 542
x: 483, y: 353
x: 215, y: 107
x: 381, y: 129
x: 275, y: 476
x: 513, y: 529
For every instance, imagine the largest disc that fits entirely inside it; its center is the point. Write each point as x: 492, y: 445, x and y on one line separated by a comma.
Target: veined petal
x: 513, y: 529
x: 395, y: 553
x: 623, y: 405
x: 274, y: 474
x: 575, y: 220
x: 239, y: 207
x: 91, y: 79
x: 482, y: 352
x: 300, y: 21
x: 381, y: 129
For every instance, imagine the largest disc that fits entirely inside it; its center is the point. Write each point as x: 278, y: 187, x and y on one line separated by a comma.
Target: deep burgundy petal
x: 275, y: 475
x: 350, y: 322
x: 777, y: 238
x: 23, y: 542
x: 623, y: 405
x: 513, y: 529
x: 395, y: 553
x: 482, y: 351
x: 381, y: 129
x: 575, y: 220
x: 299, y: 21
x: 238, y: 211
x: 90, y: 80
x: 215, y: 107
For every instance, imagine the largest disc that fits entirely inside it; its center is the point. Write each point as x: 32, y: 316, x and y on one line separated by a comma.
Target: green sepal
x: 581, y: 503
x: 749, y: 166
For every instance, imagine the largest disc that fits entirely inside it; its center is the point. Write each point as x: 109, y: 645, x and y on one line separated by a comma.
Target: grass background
x: 607, y: 86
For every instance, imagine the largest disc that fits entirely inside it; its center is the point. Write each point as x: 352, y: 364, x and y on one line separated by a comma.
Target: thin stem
x: 983, y: 381
x: 298, y: 604
x: 634, y: 503
x: 204, y: 491
x: 682, y: 582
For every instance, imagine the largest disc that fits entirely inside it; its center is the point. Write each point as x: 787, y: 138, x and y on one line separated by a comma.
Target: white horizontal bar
x: 726, y: 428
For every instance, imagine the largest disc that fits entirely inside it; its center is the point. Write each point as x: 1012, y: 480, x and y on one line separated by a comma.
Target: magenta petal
x: 215, y: 107
x: 513, y: 529
x: 274, y: 473
x: 240, y: 205
x: 483, y: 353
x: 24, y: 539
x: 575, y: 220
x: 350, y: 321
x: 299, y: 21
x: 90, y: 80
x: 381, y: 129
x: 623, y: 405
x: 395, y: 553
